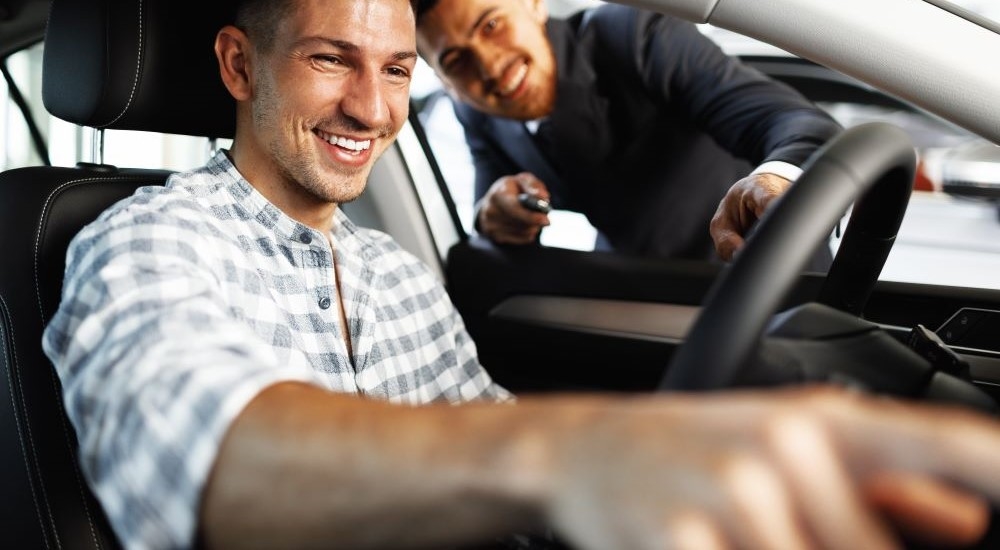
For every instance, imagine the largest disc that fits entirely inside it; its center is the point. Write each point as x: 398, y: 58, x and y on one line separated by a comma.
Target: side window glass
x: 19, y: 146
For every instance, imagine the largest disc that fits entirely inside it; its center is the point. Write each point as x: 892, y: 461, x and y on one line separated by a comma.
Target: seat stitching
x: 20, y: 435
x: 76, y: 472
x: 41, y: 224
x: 41, y: 311
x: 135, y: 79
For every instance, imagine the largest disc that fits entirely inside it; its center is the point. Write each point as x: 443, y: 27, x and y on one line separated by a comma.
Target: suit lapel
x: 515, y: 140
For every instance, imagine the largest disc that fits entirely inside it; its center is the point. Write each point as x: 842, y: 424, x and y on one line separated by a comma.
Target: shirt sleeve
x: 489, y: 161
x: 154, y: 368
x: 788, y: 171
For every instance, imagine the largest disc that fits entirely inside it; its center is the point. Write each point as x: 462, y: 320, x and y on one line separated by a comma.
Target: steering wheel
x: 825, y: 340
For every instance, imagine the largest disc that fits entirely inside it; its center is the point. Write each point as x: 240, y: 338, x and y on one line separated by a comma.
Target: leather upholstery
x: 138, y: 65
x: 119, y: 64
x: 46, y: 502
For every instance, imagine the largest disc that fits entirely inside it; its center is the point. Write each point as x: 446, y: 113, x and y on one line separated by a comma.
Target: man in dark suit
x: 631, y: 117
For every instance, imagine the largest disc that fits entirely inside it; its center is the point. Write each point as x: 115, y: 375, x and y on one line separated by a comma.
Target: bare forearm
x: 303, y: 467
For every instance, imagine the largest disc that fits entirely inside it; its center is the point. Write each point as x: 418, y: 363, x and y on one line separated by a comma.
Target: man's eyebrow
x: 351, y: 47
x: 404, y: 55
x: 479, y: 20
x: 339, y: 44
x: 484, y: 15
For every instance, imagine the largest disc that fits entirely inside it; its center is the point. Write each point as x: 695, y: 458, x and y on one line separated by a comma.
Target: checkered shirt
x: 181, y: 303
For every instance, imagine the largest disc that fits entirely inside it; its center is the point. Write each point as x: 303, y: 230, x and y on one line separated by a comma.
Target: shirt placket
x: 356, y: 286
x: 321, y: 280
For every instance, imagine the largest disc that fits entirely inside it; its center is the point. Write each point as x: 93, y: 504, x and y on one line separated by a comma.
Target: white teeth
x: 346, y: 143
x: 516, y: 81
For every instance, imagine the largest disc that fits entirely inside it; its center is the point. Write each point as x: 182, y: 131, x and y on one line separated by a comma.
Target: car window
x: 23, y: 68
x: 950, y: 236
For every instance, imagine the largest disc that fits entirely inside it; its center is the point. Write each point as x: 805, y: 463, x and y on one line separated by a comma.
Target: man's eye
x: 452, y: 64
x: 398, y: 72
x: 331, y: 59
x: 491, y: 25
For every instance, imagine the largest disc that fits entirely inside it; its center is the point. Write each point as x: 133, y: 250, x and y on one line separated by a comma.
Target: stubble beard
x: 547, y: 101
x: 538, y: 103
x: 300, y: 169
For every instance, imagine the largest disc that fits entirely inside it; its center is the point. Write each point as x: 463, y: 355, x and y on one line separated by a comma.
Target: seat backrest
x: 115, y: 64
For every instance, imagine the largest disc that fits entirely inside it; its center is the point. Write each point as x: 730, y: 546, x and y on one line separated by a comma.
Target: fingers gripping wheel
x: 875, y: 162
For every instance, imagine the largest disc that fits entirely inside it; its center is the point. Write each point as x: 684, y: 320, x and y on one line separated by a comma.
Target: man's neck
x: 292, y: 199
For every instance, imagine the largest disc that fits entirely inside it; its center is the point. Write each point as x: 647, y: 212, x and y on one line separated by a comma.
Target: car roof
x: 942, y: 73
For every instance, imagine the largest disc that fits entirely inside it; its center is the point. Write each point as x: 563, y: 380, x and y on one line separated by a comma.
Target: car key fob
x: 534, y: 202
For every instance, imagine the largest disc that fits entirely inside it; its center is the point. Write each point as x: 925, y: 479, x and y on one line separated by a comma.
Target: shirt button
x: 305, y: 238
x: 324, y: 303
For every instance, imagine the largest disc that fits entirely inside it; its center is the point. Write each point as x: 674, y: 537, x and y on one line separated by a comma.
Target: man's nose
x: 365, y: 100
x: 490, y: 64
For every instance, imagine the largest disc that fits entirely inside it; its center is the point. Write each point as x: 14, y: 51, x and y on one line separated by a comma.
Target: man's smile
x: 352, y: 145
x: 512, y: 79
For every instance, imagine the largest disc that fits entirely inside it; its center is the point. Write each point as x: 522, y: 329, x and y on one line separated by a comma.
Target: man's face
x: 493, y: 54
x: 331, y: 95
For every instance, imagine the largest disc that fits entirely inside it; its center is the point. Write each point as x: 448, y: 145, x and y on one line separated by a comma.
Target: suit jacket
x: 652, y: 124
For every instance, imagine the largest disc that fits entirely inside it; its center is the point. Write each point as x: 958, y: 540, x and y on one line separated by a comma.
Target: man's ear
x: 232, y: 49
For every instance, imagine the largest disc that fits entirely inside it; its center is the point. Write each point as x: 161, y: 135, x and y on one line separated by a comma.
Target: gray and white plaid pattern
x: 181, y: 303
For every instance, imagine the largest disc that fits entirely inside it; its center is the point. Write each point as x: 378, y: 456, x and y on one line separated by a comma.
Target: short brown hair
x: 259, y: 19
x: 421, y: 7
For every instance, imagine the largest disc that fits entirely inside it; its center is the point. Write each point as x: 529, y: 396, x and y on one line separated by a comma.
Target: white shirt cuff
x: 779, y: 168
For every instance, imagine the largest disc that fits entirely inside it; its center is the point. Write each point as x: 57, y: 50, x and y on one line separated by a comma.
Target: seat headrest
x: 138, y: 65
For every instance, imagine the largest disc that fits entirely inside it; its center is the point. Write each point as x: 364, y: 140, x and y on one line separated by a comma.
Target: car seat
x: 108, y: 64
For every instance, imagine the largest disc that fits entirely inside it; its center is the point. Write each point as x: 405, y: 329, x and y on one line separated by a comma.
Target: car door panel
x: 539, y: 315
x: 548, y: 319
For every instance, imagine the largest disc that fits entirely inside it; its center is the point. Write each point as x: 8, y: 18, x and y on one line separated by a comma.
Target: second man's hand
x: 514, y: 209
x: 739, y: 210
x: 534, y: 202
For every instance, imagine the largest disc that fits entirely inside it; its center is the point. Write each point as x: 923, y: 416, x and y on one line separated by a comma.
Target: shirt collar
x: 345, y: 234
